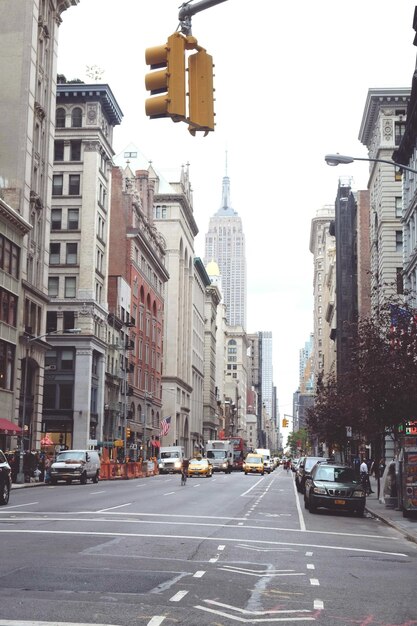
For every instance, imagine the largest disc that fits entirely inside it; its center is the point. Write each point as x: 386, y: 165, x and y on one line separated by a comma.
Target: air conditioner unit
x: 51, y: 367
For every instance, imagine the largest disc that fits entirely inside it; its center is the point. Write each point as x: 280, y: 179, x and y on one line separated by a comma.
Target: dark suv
x: 304, y: 468
x: 5, y: 479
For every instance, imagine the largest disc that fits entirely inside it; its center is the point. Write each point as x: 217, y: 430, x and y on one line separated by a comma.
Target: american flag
x: 165, y: 425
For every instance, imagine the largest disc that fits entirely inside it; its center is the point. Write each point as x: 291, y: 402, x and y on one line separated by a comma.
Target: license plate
x: 340, y: 501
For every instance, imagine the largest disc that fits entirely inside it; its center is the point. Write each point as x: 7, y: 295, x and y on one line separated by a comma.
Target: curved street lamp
x: 342, y: 159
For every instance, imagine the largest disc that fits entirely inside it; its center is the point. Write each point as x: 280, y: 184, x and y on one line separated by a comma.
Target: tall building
x: 265, y: 338
x: 137, y: 260
x: 73, y: 412
x: 322, y: 247
x: 174, y: 218
x: 225, y: 244
x: 382, y: 129
x: 29, y: 43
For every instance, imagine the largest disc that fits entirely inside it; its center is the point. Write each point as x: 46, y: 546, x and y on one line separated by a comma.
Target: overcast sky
x: 291, y: 81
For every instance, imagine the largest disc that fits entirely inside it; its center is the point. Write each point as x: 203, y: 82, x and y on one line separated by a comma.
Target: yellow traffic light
x: 284, y: 423
x: 200, y: 92
x: 168, y: 79
x: 127, y: 432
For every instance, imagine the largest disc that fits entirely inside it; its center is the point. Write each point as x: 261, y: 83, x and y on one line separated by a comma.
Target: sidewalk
x: 407, y: 526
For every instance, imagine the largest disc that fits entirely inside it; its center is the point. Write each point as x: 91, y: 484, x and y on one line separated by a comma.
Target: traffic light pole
x: 187, y: 10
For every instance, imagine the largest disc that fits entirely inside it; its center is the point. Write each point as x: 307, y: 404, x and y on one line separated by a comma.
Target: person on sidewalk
x: 365, y: 476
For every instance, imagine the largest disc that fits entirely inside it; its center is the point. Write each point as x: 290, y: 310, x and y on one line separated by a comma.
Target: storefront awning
x: 155, y: 443
x: 8, y: 428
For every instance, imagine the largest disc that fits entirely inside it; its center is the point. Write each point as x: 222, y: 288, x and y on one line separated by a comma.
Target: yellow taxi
x: 200, y: 467
x: 254, y: 463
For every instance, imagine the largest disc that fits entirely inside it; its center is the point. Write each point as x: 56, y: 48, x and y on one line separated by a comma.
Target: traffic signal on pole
x: 284, y: 423
x: 167, y: 78
x: 200, y: 92
x: 127, y: 432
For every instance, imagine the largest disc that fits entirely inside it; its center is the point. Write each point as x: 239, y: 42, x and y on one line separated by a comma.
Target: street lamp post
x: 20, y: 478
x: 342, y: 159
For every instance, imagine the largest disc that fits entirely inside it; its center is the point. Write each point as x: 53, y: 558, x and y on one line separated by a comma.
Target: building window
x: 57, y: 185
x: 398, y: 240
x: 398, y: 206
x: 8, y: 307
x: 53, y: 286
x: 60, y: 118
x: 69, y: 287
x: 7, y: 356
x: 67, y: 359
x: 73, y: 219
x: 51, y: 323
x: 399, y: 132
x: 56, y: 219
x: 75, y: 151
x: 9, y: 257
x: 69, y: 320
x: 74, y: 185
x: 54, y: 253
x: 58, y: 151
x: 71, y: 255
x: 65, y: 396
x: 400, y: 281
x: 76, y: 117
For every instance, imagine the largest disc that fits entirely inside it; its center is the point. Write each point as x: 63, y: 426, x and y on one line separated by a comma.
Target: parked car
x: 334, y: 486
x: 5, y: 479
x: 304, y: 468
x: 294, y: 464
x: 200, y: 467
x: 254, y: 463
x: 79, y: 465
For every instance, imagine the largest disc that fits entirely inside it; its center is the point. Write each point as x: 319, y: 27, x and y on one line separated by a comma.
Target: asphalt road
x: 223, y: 550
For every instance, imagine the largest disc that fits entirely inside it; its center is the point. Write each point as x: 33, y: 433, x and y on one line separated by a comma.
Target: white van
x: 79, y: 465
x: 266, y: 453
x: 170, y: 459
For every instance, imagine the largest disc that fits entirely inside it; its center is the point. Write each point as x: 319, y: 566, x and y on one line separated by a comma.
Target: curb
x: 396, y: 527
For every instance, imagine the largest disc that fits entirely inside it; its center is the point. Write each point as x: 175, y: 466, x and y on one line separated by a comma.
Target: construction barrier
x: 111, y: 470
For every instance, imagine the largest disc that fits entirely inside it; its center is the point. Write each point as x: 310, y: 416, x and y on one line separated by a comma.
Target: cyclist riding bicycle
x: 184, y: 471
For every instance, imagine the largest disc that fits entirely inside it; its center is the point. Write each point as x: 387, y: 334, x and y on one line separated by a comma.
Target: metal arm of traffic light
x: 187, y: 10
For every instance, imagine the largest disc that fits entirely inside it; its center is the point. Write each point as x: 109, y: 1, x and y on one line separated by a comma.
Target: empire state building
x: 225, y: 244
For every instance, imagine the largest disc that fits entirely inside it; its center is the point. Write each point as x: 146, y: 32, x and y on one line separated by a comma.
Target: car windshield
x: 216, y: 454
x: 199, y: 461
x: 253, y: 459
x: 170, y: 455
x: 335, y: 474
x: 70, y: 455
x: 310, y: 462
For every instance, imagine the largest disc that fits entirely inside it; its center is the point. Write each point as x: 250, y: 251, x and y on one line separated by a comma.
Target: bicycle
x: 184, y: 475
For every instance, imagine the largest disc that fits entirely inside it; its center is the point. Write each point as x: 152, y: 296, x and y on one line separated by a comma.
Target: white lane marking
x: 93, y: 493
x: 178, y: 596
x: 16, y: 506
x: 221, y: 547
x: 12, y: 622
x: 156, y: 620
x: 318, y: 604
x: 197, y: 485
x: 141, y: 485
x: 250, y: 488
x: 131, y: 518
x: 309, y: 554
x: 314, y: 582
x: 299, y: 511
x: 237, y: 609
x: 169, y: 493
x: 114, y: 507
x: 88, y: 533
x: 214, y: 559
x: 310, y: 566
x: 199, y: 574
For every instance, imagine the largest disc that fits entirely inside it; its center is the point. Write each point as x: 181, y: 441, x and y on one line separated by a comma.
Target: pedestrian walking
x: 364, y: 473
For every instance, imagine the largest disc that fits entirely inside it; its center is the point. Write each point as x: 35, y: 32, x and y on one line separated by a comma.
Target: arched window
x: 60, y: 118
x: 76, y: 117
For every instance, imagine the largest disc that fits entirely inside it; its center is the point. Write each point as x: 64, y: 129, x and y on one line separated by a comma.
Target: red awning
x: 8, y: 428
x: 155, y: 443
